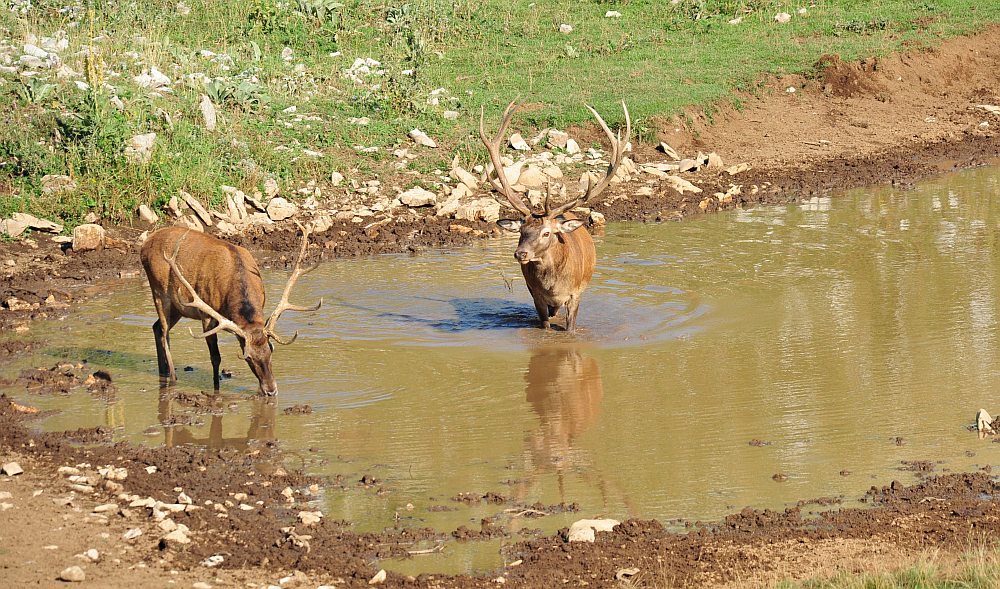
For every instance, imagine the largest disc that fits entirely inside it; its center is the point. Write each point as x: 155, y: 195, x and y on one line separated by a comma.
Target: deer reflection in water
x: 563, y: 386
x: 261, y: 427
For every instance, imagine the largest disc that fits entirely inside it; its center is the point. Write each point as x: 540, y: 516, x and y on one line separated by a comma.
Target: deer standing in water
x: 557, y: 258
x: 202, y: 277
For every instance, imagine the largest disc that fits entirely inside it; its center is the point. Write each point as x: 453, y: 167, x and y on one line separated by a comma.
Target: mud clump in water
x: 298, y: 410
x: 62, y: 379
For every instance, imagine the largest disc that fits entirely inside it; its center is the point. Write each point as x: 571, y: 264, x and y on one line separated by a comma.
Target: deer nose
x: 520, y: 255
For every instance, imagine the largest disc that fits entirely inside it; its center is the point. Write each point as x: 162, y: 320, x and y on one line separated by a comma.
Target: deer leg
x: 208, y: 324
x: 572, y: 307
x: 161, y: 334
x: 543, y: 312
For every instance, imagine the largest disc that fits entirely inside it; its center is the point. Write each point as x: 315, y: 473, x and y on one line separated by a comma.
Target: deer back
x: 223, y: 274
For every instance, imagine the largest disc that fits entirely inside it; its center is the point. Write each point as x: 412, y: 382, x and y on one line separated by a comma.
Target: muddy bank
x: 244, y: 520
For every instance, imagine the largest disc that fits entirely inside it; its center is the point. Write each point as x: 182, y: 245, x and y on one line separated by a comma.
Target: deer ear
x: 570, y: 225
x: 510, y: 224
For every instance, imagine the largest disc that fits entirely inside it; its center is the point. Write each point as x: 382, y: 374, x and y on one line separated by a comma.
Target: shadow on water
x: 471, y: 314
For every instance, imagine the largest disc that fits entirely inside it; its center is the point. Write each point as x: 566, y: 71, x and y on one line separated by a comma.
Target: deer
x: 218, y: 283
x: 557, y: 258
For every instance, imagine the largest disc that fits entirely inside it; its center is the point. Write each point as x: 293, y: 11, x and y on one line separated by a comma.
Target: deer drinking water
x: 557, y: 258
x: 202, y: 277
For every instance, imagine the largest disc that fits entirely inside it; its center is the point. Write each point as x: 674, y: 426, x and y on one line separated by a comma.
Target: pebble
x: 132, y: 534
x: 5, y: 495
x: 12, y: 469
x: 201, y: 585
x: 73, y: 574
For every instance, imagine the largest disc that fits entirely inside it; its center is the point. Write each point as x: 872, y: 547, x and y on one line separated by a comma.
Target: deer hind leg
x: 213, y: 350
x: 572, y: 308
x: 161, y: 334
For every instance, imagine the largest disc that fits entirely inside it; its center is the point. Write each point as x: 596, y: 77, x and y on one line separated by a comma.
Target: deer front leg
x: 213, y: 350
x: 572, y: 307
x: 542, y: 308
x: 161, y: 334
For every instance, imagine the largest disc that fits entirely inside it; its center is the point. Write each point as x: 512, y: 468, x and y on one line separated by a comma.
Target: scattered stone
x: 418, y: 197
x: 208, y: 113
x: 279, y: 209
x: 572, y: 147
x: 585, y: 530
x: 992, y: 109
x: 737, y: 169
x: 379, y: 578
x: 984, y: 422
x: 421, y: 138
x: 139, y: 149
x: 174, y: 206
x: 782, y: 17
x: 191, y: 222
x: 668, y: 150
x: 597, y: 219
x: 714, y: 160
x: 565, y: 28
x: 625, y: 574
x: 309, y: 518
x: 88, y: 237
x: 73, y: 574
x: 681, y: 185
x: 57, y: 184
x: 517, y: 142
x: 202, y: 584
x: 271, y: 187
x: 11, y: 469
x: 12, y: 227
x: 178, y: 536
x: 213, y: 561
x: 197, y: 207
x: 687, y: 165
x: 612, y: 14
x: 460, y: 229
x: 132, y: 534
x: 482, y: 209
x: 36, y: 223
x: 92, y: 555
x: 450, y: 115
x: 802, y: 11
x: 147, y: 215
x: 336, y: 178
x: 463, y: 176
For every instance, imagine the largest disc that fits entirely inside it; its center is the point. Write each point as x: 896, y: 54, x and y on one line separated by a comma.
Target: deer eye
x: 545, y: 234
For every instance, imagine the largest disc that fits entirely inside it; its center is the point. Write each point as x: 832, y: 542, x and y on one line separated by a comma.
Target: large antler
x: 617, y: 152
x: 198, y: 303
x: 493, y: 147
x: 283, y: 304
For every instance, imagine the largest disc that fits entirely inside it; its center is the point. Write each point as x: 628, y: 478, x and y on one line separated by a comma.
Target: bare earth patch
x: 895, y: 120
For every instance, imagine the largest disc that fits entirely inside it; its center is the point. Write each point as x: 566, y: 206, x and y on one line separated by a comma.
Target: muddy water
x: 846, y: 336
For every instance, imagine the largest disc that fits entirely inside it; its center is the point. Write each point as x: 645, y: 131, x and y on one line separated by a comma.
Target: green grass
x: 977, y: 569
x: 660, y: 57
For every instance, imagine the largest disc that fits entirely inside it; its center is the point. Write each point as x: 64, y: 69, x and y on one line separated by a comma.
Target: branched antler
x: 283, y: 304
x: 493, y: 147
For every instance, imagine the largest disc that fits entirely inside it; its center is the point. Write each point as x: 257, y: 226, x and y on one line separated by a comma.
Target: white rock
x: 309, y: 518
x: 132, y: 534
x: 279, y: 209
x: 463, y: 176
x: 147, y: 215
x: 597, y: 218
x: 418, y: 197
x: 336, y: 178
x: 12, y: 227
x: 191, y: 222
x: 208, y: 113
x: 183, y: 499
x: 557, y: 138
x: 35, y: 223
x: 737, y: 169
x: 532, y: 177
x: 715, y: 160
x: 178, y: 536
x: 990, y: 108
x: 665, y: 148
x: 612, y: 14
x: 11, y: 469
x: 197, y: 207
x: 88, y: 237
x: 35, y: 51
x: 92, y: 555
x: 482, y: 209
x: 517, y: 142
x: 572, y: 147
x: 271, y: 187
x: 53, y: 184
x: 201, y: 585
x: 565, y: 28
x: 681, y: 185
x: 782, y: 17
x: 984, y: 422
x: 213, y: 561
x: 139, y: 149
x: 421, y: 138
x: 73, y: 574
x: 802, y: 11
x: 287, y: 54
x: 379, y: 578
x: 584, y: 530
x: 450, y: 115
x: 736, y: 21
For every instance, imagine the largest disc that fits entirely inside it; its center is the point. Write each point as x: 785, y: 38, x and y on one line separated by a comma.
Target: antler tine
x: 617, y: 153
x: 493, y: 148
x: 198, y: 303
x: 283, y: 304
